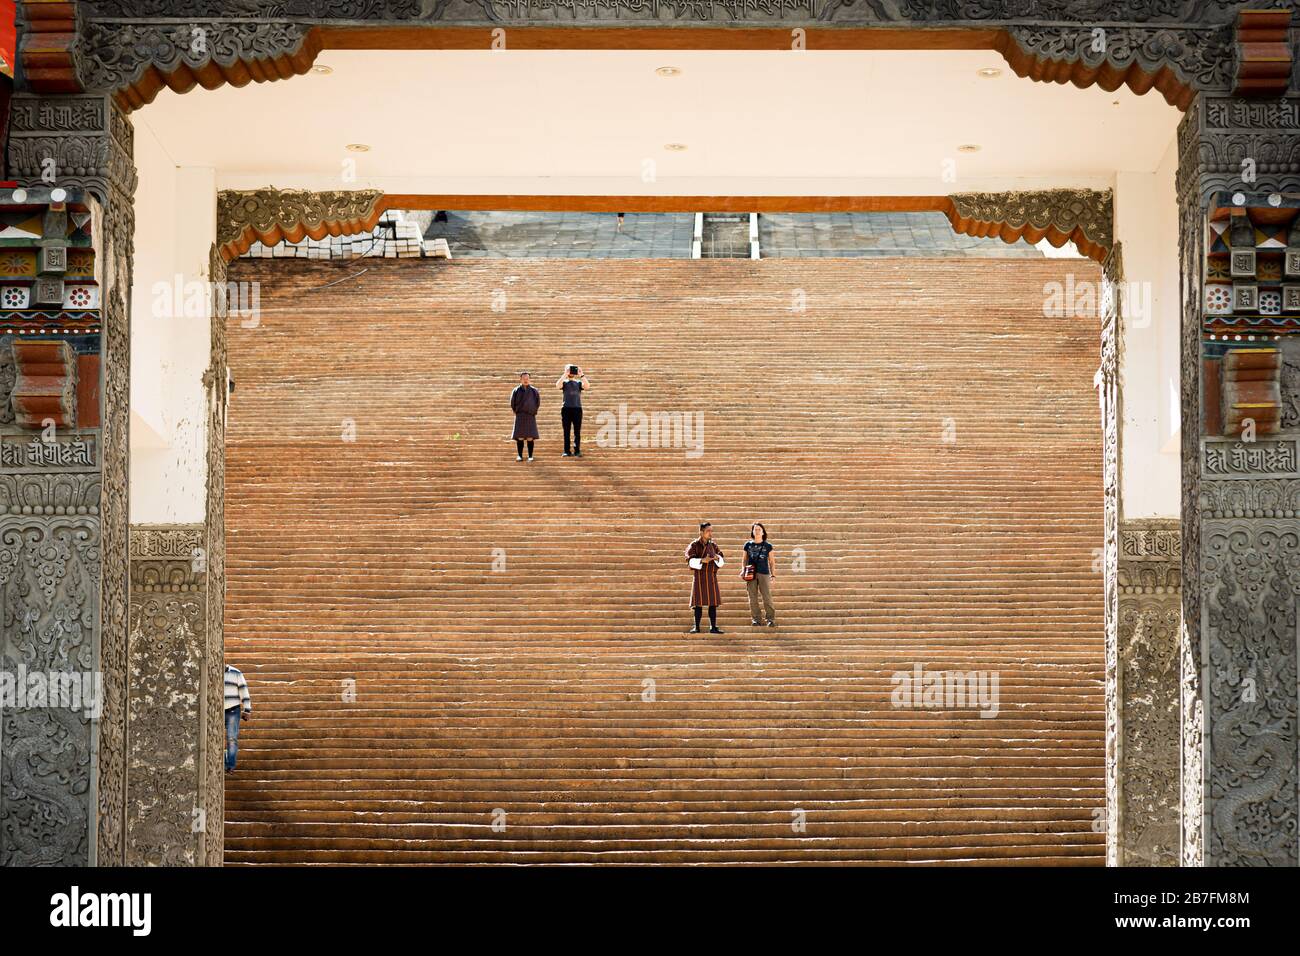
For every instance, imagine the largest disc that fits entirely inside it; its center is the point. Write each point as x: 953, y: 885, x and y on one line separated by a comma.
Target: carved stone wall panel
x: 49, y: 603
x: 1150, y: 618
x: 166, y: 815
x: 1252, y: 595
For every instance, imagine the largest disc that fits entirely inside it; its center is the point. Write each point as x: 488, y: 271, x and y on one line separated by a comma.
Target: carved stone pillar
x: 84, y: 141
x: 1241, y: 537
x: 216, y: 381
x: 1147, y: 693
x: 1107, y: 382
x: 170, y: 682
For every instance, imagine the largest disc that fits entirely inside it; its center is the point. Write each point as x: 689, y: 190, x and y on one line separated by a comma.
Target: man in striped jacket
x: 704, y: 557
x: 238, y: 706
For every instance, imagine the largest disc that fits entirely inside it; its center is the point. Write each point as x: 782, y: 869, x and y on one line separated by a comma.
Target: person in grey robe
x: 524, y: 402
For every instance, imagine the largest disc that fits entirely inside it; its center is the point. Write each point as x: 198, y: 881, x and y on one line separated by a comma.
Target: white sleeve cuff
x: 696, y: 563
x: 720, y: 561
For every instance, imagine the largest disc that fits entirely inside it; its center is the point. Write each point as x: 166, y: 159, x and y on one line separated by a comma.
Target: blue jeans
x: 232, y: 737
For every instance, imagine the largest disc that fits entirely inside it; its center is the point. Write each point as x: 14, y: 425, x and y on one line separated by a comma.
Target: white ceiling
x: 435, y: 117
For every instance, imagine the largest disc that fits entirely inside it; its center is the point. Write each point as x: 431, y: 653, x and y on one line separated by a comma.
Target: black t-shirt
x: 758, y: 552
x: 572, y: 393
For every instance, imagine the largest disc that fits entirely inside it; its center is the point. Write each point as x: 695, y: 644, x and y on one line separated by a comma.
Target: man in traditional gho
x: 704, y: 558
x: 524, y: 402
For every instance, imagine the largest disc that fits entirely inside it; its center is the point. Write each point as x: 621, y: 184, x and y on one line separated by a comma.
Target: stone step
x: 920, y: 430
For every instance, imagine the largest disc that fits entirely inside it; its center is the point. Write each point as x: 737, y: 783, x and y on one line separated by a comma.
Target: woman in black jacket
x: 758, y: 581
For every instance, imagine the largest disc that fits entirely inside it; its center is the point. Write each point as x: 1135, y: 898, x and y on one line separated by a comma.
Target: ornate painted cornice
x: 136, y: 60
x: 1175, y: 61
x: 274, y: 215
x: 1084, y: 216
x: 133, y: 48
x: 876, y: 12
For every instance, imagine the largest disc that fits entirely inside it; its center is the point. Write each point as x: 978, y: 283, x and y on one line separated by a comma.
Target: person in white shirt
x: 239, y: 706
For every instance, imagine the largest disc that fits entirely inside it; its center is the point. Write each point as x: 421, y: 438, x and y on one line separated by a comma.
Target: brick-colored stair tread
x: 364, y: 568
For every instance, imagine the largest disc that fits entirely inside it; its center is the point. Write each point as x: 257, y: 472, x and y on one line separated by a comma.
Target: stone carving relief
x: 166, y: 816
x: 1252, y: 588
x: 1222, y: 139
x: 1242, y: 459
x: 1150, y: 616
x: 83, y: 139
x: 50, y: 555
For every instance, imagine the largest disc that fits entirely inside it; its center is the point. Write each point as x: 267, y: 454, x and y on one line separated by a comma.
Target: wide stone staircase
x: 458, y: 658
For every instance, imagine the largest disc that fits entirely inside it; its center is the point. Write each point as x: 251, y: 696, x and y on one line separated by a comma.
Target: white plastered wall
x: 1146, y: 225
x: 170, y: 335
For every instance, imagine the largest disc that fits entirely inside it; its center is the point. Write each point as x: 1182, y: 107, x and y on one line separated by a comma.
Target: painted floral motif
x: 18, y: 262
x: 80, y: 297
x: 15, y: 297
x: 1218, y: 299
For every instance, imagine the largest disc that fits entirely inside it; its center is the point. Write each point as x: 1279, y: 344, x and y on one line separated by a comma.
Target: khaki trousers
x: 762, y: 584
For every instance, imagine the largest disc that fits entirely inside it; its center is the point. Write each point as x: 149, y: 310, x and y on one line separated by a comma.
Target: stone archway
x: 87, y: 65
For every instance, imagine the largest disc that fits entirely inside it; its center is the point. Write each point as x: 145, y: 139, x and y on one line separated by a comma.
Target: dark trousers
x: 572, y: 418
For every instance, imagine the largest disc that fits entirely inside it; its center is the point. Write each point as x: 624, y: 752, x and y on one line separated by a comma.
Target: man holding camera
x: 573, y: 382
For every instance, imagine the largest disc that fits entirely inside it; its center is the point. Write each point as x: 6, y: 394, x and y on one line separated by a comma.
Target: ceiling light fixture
x: 358, y: 148
x: 675, y: 147
x: 989, y: 73
x: 322, y: 70
x: 669, y: 71
x: 968, y: 148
